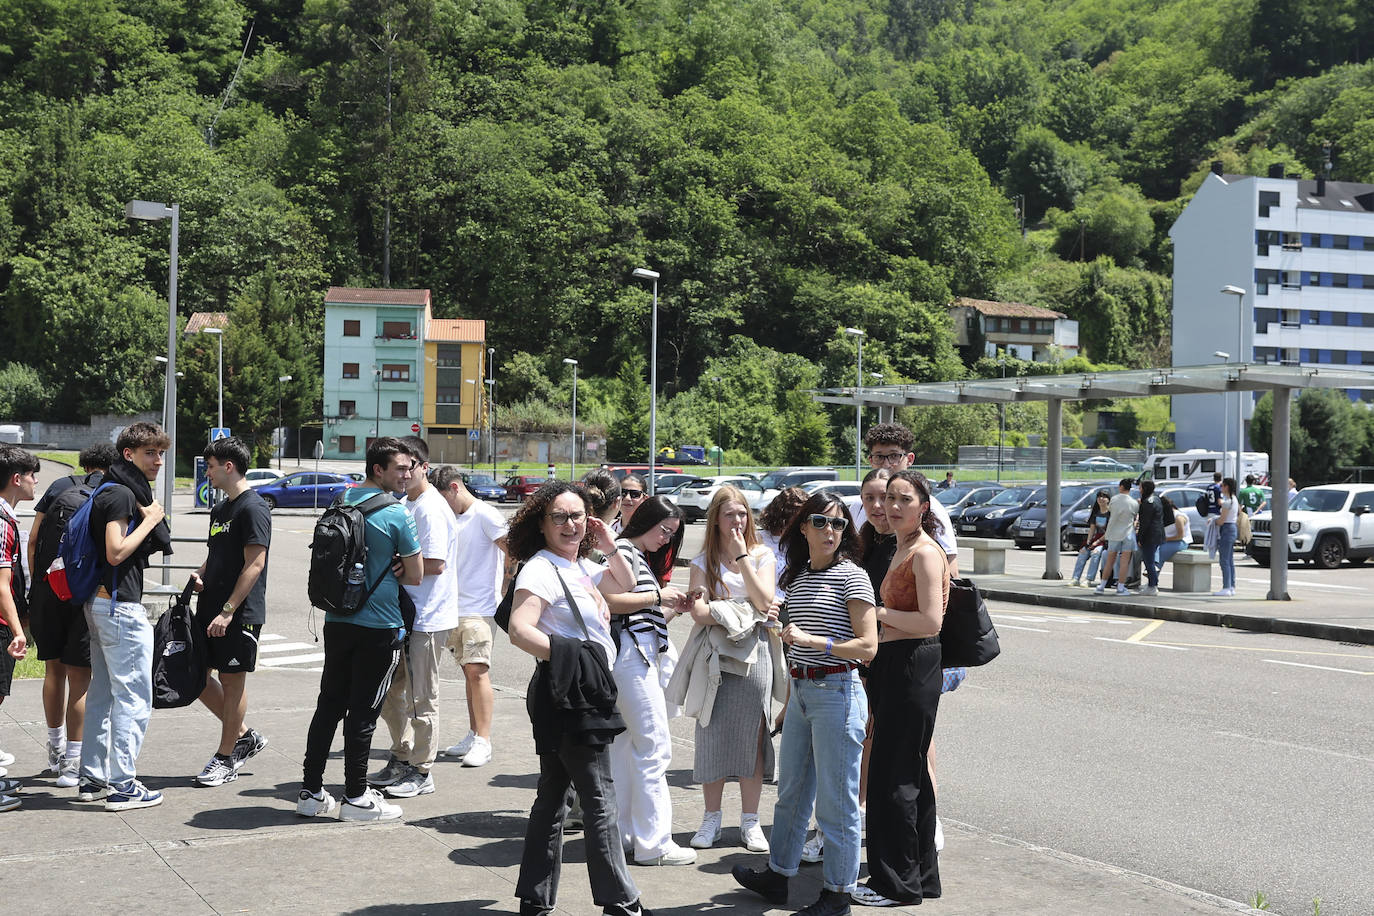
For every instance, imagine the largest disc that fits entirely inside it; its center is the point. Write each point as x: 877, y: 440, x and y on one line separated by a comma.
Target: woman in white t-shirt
x: 1226, y: 537
x: 550, y: 534
x: 1178, y: 534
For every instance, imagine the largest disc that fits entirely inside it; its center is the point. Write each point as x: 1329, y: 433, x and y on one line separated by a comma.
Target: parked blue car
x: 484, y: 486
x: 305, y: 489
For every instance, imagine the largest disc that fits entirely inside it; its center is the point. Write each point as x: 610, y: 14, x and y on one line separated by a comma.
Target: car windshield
x: 952, y: 495
x: 478, y: 480
x: 1071, y: 495
x: 773, y: 481
x: 1320, y: 500
x: 1010, y: 497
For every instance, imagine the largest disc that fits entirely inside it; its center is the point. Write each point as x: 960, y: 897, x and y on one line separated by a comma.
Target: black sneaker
x: 830, y: 903
x: 765, y: 882
x: 248, y: 745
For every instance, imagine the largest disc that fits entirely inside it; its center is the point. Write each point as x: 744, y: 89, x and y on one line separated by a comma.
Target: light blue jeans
x: 822, y: 744
x: 1090, y: 559
x: 1226, y: 547
x: 1167, y: 550
x: 119, y: 702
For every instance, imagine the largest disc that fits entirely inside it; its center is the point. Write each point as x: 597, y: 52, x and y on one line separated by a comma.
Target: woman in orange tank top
x: 904, y: 689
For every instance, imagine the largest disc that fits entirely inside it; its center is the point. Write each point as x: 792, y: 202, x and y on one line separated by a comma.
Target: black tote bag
x: 967, y: 638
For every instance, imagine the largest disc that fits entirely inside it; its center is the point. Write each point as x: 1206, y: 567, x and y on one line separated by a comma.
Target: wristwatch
x: 228, y: 609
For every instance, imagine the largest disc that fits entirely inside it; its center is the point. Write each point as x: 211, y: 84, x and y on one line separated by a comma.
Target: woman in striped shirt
x: 644, y: 662
x: 831, y: 628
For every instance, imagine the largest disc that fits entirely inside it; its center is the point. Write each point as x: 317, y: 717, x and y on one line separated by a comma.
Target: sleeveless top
x: 900, y: 593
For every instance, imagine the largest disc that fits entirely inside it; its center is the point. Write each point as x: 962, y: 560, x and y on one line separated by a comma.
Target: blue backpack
x: 75, y: 574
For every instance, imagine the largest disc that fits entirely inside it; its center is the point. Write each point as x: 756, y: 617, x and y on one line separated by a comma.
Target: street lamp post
x: 1239, y: 293
x: 1001, y: 417
x: 1225, y: 410
x: 858, y: 406
x: 572, y: 464
x: 720, y: 446
x: 877, y: 383
x: 151, y: 210
x: 491, y: 408
x: 282, y: 380
x: 219, y: 337
x: 472, y: 424
x: 644, y: 273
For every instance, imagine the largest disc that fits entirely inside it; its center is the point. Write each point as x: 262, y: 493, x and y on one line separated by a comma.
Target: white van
x: 14, y: 435
x: 1198, y: 465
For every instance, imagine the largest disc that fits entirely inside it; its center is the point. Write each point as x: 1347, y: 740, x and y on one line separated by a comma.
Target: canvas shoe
x: 813, y: 850
x: 250, y: 743
x: 675, y: 855
x: 218, y: 771
x: 1101, y: 588
x: 480, y: 754
x: 1219, y: 593
x: 69, y: 774
x: 88, y: 790
x: 372, y: 808
x: 1121, y: 590
x: 462, y: 747
x: 393, y: 772
x: 133, y: 794
x: 751, y: 837
x: 708, y: 833
x: 310, y: 805
x: 9, y: 802
x: 412, y: 784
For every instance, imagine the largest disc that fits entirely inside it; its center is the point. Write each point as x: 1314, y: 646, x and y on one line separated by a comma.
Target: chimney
x: 1276, y: 170
x: 1217, y: 169
x: 1321, y: 186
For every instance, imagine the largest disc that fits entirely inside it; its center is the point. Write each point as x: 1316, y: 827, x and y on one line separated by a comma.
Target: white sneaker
x: 751, y: 837
x: 675, y: 855
x: 813, y: 850
x: 480, y: 754
x: 708, y: 833
x: 939, y: 835
x: 321, y: 805
x: 462, y: 747
x: 372, y: 808
x: 1149, y: 590
x: 1122, y: 590
x: 6, y: 759
x: 9, y: 802
x: 55, y: 753
x: 1075, y: 584
x: 1101, y: 588
x: 1220, y: 593
x: 69, y: 773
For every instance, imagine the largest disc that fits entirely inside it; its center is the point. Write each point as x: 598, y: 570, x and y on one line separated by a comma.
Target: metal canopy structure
x: 1131, y: 383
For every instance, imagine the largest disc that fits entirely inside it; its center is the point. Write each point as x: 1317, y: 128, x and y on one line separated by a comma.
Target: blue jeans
x: 119, y: 702
x: 822, y: 744
x: 1167, y: 550
x: 1090, y: 559
x: 1226, y: 548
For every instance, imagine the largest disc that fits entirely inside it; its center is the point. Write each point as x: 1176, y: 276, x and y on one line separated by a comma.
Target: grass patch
x: 67, y: 458
x: 29, y: 666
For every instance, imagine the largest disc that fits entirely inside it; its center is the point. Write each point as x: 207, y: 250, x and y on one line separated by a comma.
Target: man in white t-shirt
x: 410, y: 709
x: 480, y: 533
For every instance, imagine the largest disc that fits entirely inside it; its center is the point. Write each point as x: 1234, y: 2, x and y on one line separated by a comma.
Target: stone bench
x: 989, y: 555
x: 1192, y: 571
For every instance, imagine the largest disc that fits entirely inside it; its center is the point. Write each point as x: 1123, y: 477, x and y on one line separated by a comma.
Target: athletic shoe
x: 133, y: 794
x: 765, y: 882
x: 1101, y: 587
x: 9, y: 802
x: 218, y: 771
x: 70, y: 774
x: 310, y: 805
x: 939, y: 835
x: 480, y: 754
x: 88, y: 790
x: 55, y: 757
x: 248, y: 745
x: 675, y: 855
x: 1076, y: 583
x: 1219, y: 593
x: 4, y: 772
x: 462, y: 747
x: 372, y: 808
x: 1121, y: 591
x: 393, y: 772
x: 864, y: 895
x: 709, y: 831
x: 829, y: 903
x: 813, y: 850
x: 1150, y: 590
x: 751, y: 837
x: 412, y: 784
x: 622, y: 909
x: 9, y: 785
x: 6, y: 759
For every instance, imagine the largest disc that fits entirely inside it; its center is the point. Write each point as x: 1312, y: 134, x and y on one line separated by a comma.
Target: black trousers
x: 358, y: 665
x: 904, y: 689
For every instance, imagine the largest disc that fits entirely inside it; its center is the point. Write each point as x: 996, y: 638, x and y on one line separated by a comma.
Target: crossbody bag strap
x: 572, y: 603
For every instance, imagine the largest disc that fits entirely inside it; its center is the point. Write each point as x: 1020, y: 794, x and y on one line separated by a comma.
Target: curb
x: 1255, y: 623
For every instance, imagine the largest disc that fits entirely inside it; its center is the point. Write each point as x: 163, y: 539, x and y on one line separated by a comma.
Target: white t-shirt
x: 480, y: 561
x: 435, y: 598
x: 539, y: 578
x: 945, y: 537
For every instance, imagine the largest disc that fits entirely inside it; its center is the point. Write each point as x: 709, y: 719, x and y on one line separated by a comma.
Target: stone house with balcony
x: 1027, y: 332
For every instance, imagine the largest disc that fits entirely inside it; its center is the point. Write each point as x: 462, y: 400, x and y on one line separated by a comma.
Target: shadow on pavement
x: 457, y: 907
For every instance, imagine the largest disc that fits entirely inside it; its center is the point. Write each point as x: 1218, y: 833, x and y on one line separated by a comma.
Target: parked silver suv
x: 1326, y: 524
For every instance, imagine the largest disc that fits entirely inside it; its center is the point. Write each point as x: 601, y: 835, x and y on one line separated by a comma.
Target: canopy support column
x: 1054, y: 475
x: 1278, y: 501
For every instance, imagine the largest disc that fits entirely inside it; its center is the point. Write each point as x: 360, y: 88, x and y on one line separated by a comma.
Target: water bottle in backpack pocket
x: 338, y: 557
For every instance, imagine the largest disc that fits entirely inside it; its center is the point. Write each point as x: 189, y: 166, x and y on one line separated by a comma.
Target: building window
x: 1267, y: 199
x: 1291, y: 279
x: 396, y: 372
x: 1340, y: 281
x: 397, y: 330
x: 353, y: 328
x: 348, y: 408
x: 1292, y: 241
x: 400, y: 408
x: 1340, y: 241
x: 348, y: 444
x: 350, y: 370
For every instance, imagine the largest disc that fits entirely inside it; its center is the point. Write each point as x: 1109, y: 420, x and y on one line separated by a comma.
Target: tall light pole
x: 282, y: 380
x: 491, y: 407
x: 151, y: 210
x: 219, y: 337
x: 572, y: 464
x: 1001, y: 416
x: 644, y: 273
x: 473, y: 424
x: 877, y: 383
x: 720, y: 446
x: 1241, y: 354
x: 1225, y: 410
x: 858, y: 407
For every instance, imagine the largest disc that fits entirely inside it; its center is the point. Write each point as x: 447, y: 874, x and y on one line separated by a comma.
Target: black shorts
x: 236, y: 652
x: 59, y: 628
x: 7, y: 661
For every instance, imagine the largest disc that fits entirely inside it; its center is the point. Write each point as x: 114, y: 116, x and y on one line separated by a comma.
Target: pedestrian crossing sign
x: 219, y: 432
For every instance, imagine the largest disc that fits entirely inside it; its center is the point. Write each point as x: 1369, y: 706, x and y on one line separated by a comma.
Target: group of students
x: 838, y: 623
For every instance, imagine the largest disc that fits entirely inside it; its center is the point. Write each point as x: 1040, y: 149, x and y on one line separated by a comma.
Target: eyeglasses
x: 631, y: 494
x: 562, y: 518
x: 886, y: 457
x: 667, y: 532
x: 834, y: 521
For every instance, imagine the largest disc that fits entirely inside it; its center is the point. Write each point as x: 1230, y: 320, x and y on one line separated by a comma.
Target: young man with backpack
x: 125, y: 525
x: 411, y: 706
x: 59, y: 627
x: 233, y: 604
x: 363, y: 628
x: 18, y: 480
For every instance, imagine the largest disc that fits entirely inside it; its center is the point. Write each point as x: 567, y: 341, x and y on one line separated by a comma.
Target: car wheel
x: 1024, y: 545
x: 1064, y: 544
x: 1261, y: 556
x: 1330, y: 552
x: 271, y: 501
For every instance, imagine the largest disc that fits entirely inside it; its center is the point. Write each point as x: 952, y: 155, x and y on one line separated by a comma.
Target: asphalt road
x: 1225, y: 761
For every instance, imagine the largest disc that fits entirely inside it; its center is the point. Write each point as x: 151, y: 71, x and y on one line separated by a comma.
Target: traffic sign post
x: 219, y: 432
x: 475, y: 435
x: 415, y: 428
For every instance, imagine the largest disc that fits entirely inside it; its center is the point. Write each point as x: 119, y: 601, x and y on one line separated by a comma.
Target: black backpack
x: 338, y: 557
x: 60, y: 512
x: 179, y: 656
x: 1203, y: 505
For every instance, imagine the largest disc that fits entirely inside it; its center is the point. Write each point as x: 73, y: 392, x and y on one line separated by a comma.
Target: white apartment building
x: 1303, y: 252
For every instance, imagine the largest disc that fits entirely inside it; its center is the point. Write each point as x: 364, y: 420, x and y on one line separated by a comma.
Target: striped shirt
x: 818, y: 603
x: 650, y: 620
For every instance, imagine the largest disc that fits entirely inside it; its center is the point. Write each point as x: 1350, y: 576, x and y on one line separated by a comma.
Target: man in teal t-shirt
x: 1251, y: 497
x: 361, y: 652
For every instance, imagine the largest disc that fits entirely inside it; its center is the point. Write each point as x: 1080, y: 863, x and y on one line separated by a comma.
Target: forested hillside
x: 791, y: 168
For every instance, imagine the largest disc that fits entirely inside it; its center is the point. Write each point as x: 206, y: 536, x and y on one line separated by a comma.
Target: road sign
x: 415, y: 428
x: 219, y: 432
x: 475, y: 435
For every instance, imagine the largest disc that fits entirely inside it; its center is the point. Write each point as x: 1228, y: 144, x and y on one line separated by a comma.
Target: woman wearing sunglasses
x: 640, y: 618
x: 735, y: 744
x: 904, y: 684
x: 632, y: 494
x: 831, y: 628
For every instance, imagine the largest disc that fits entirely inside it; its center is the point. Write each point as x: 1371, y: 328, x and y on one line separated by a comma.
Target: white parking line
x: 1275, y: 661
x: 1153, y: 645
x: 1008, y: 626
x: 1020, y: 618
x: 1305, y: 584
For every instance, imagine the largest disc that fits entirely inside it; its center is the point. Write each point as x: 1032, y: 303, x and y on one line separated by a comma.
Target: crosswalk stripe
x: 292, y: 659
x: 287, y: 647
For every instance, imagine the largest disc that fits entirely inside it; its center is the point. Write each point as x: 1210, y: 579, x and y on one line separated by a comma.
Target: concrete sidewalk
x: 240, y: 848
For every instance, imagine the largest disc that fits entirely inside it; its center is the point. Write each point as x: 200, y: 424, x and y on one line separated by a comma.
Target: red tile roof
x: 1006, y: 309
x: 199, y: 321
x: 355, y: 295
x: 456, y: 330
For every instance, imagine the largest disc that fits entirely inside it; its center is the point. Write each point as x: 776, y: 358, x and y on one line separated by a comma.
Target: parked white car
x: 694, y: 497
x: 1326, y: 524
x: 258, y: 477
x: 844, y: 489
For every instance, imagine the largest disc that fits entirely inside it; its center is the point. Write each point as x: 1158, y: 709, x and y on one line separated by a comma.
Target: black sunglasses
x: 834, y: 521
x: 631, y: 494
